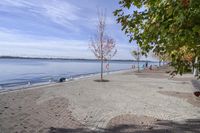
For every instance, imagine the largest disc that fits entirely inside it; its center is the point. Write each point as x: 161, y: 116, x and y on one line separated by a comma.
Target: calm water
x: 18, y: 73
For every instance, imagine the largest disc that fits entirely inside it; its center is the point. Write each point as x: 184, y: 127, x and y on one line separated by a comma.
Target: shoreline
x: 67, y: 80
x: 74, y: 78
x: 70, y: 79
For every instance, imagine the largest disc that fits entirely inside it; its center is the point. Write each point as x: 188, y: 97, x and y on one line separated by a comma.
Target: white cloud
x: 14, y: 3
x: 14, y: 43
x: 58, y: 11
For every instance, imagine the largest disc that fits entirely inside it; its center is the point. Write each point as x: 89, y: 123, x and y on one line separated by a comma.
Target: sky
x: 56, y: 28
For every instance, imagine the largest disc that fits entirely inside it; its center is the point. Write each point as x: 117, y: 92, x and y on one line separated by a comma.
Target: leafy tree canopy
x: 170, y: 27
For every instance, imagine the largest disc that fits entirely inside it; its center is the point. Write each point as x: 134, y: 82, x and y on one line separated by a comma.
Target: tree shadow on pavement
x: 161, y: 126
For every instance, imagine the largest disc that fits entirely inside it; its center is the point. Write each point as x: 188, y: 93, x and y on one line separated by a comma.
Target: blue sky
x: 56, y: 28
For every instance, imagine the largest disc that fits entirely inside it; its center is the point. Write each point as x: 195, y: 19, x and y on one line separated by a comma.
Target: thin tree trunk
x: 101, y: 41
x: 101, y: 68
x: 138, y: 58
x: 138, y: 66
x: 196, y: 69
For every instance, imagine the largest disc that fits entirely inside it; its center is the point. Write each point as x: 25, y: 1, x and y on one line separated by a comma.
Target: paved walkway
x: 129, y: 102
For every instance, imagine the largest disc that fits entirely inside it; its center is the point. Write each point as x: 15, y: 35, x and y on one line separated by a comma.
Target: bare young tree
x: 101, y: 45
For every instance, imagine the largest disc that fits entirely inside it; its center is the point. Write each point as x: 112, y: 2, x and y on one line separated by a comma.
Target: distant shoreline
x: 78, y: 59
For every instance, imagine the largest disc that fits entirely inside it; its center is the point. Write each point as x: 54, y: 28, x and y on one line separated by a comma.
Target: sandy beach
x: 146, y: 102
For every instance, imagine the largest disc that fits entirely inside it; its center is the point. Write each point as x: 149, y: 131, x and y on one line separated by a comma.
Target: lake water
x: 23, y: 73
